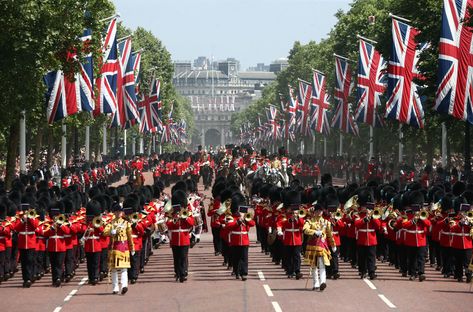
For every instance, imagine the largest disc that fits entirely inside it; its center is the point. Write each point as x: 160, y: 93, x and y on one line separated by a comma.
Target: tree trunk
x: 37, y: 147
x: 12, y: 151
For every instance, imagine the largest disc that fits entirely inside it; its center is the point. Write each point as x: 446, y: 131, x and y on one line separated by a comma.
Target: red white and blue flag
x: 370, y: 86
x: 126, y: 96
x: 342, y: 118
x: 404, y: 103
x: 305, y: 97
x: 70, y: 94
x: 136, y: 57
x: 455, y: 74
x: 319, y: 104
x: 107, y: 82
x: 291, y: 122
x: 150, y: 109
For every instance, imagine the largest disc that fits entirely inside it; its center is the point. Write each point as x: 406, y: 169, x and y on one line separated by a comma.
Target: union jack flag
x: 343, y: 119
x: 455, y: 74
x: 272, y: 113
x: 370, y: 87
x: 150, y: 109
x: 136, y: 57
x: 404, y: 102
x: 126, y: 96
x: 305, y: 94
x: 291, y: 111
x: 108, y: 79
x: 70, y: 94
x: 319, y: 120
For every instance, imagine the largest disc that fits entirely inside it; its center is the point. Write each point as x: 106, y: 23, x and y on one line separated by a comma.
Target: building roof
x: 200, y: 74
x: 257, y: 75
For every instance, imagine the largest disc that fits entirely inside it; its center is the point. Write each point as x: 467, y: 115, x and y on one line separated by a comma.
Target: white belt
x: 93, y: 237
x: 365, y: 230
x: 134, y: 236
x: 415, y: 232
x: 57, y: 236
x: 67, y: 236
x: 2, y: 237
x: 26, y: 233
x: 180, y: 230
x: 291, y: 230
x: 239, y: 233
x: 456, y: 234
x: 334, y: 232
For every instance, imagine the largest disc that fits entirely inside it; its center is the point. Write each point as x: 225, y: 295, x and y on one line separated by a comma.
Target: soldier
x: 461, y: 227
x: 93, y: 228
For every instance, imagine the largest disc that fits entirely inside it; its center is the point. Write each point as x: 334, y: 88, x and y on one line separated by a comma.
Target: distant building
x: 215, y: 94
x: 278, y: 65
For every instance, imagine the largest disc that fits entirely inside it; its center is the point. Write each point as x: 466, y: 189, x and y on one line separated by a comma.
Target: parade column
x: 22, y: 142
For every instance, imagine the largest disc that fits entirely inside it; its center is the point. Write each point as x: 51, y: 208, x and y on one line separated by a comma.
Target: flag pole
x: 110, y: 18
x: 341, y: 143
x: 371, y: 141
x: 23, y: 142
x: 104, y: 140
x: 325, y: 146
x: 63, y: 146
x: 133, y: 145
x: 87, y: 143
x: 124, y: 142
x: 399, y: 18
x: 142, y: 145
x: 444, y: 145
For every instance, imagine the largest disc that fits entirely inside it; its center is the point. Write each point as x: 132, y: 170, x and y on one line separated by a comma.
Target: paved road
x: 211, y: 288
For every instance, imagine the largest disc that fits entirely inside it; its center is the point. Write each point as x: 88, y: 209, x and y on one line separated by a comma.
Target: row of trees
x: 342, y: 40
x: 36, y: 36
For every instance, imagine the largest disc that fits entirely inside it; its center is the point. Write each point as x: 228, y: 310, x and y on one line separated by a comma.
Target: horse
x: 136, y: 178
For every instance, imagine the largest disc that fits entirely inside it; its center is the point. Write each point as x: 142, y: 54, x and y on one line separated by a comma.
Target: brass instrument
x: 337, y: 215
x: 183, y: 213
x: 423, y: 214
x: 469, y: 215
x: 392, y: 224
x: 60, y: 219
x: 302, y: 213
x: 97, y: 222
x: 224, y: 207
x: 135, y: 218
x: 229, y: 218
x: 249, y: 216
x: 377, y: 213
x: 31, y: 213
x: 351, y: 203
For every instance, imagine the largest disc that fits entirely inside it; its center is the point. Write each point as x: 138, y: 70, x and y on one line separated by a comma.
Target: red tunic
x: 292, y: 231
x: 366, y: 231
x: 239, y: 232
x: 26, y: 233
x: 179, y: 232
x: 416, y: 233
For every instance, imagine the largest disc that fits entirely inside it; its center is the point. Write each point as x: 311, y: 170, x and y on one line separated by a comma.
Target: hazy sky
x: 252, y: 31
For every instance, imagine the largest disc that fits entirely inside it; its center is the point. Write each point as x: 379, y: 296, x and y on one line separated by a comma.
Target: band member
x: 366, y: 227
x: 179, y: 227
x: 91, y: 240
x: 25, y: 227
x: 290, y: 228
x: 5, y: 230
x: 334, y: 215
x: 416, y: 227
x: 137, y: 225
x: 121, y: 247
x: 461, y: 228
x: 239, y: 225
x: 318, y: 253
x: 212, y: 213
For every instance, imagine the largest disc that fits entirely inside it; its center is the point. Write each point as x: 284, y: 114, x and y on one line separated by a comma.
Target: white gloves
x: 318, y: 233
x: 113, y: 232
x: 132, y: 253
x: 334, y: 249
x: 280, y: 233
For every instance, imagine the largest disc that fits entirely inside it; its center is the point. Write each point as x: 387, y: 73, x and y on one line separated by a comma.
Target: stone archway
x: 212, y: 137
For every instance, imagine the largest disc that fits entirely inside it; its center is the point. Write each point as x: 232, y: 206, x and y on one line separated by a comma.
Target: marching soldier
x: 461, y: 228
x: 93, y: 229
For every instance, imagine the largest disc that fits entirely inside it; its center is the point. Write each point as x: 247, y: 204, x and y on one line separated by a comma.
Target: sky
x: 252, y: 31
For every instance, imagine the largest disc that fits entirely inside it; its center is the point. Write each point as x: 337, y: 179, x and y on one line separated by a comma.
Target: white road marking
x: 276, y: 306
x: 261, y: 276
x: 268, y: 290
x: 386, y: 300
x: 369, y: 283
x: 57, y: 309
x: 83, y: 280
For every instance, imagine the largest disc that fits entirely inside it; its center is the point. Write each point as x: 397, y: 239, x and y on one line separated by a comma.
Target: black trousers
x: 7, y: 260
x: 277, y: 250
x: 27, y: 263
x: 69, y: 262
x: 217, y: 241
x: 366, y: 259
x: 435, y: 249
x: 416, y: 260
x: 93, y: 265
x: 462, y: 261
x: 264, y: 239
x: 240, y: 260
x: 352, y: 249
x: 293, y: 259
x: 447, y: 260
x: 2, y: 264
x: 179, y: 254
x: 392, y: 249
x: 104, y: 260
x: 135, y: 265
x: 225, y: 252
x: 333, y: 268
x: 402, y: 253
x: 57, y: 264
x: 39, y: 262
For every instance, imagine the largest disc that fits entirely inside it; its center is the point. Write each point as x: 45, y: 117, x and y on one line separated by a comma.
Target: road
x: 210, y: 287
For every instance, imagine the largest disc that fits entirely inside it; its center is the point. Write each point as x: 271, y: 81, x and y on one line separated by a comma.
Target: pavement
x: 210, y: 287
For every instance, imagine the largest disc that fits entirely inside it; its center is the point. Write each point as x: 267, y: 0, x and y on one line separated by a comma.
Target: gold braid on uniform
x: 119, y: 259
x: 313, y: 251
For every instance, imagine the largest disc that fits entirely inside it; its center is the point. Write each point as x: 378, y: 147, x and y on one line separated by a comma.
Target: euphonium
x: 97, y: 222
x: 224, y: 207
x: 183, y: 213
x: 377, y: 213
x: 60, y: 219
x: 248, y: 216
x: 337, y: 215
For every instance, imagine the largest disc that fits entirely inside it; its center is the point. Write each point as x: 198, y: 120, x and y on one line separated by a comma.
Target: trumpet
x: 423, y: 214
x: 302, y: 213
x: 97, y: 222
x: 183, y: 213
x: 377, y: 213
x: 31, y: 213
x: 135, y: 218
x: 469, y: 215
x: 60, y: 219
x: 337, y: 215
